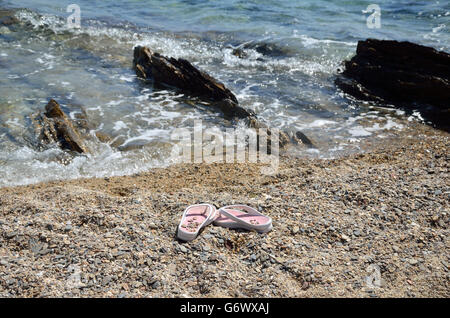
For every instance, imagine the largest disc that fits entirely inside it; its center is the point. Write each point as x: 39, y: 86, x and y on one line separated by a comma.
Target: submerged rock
x: 402, y: 73
x: 267, y: 50
x: 240, y: 53
x: 54, y: 126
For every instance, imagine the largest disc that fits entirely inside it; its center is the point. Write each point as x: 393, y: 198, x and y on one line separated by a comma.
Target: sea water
x: 294, y: 50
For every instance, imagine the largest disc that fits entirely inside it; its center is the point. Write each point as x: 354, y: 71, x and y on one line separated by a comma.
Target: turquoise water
x: 290, y: 86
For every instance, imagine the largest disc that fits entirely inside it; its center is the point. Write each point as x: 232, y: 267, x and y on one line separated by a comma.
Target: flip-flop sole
x: 194, y: 218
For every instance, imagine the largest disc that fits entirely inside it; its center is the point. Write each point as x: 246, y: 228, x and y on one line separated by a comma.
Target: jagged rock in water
x: 402, y: 73
x: 182, y: 74
x: 304, y: 140
x: 240, y: 53
x: 54, y: 126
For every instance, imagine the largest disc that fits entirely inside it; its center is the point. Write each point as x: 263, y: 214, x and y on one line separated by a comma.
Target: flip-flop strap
x: 249, y: 210
x: 213, y: 214
x: 210, y: 207
x: 211, y: 211
x: 242, y: 207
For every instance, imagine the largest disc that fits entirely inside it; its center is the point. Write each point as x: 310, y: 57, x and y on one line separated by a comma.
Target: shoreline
x: 334, y: 221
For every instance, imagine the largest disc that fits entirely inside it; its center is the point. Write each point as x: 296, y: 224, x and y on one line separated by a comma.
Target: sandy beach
x: 366, y: 225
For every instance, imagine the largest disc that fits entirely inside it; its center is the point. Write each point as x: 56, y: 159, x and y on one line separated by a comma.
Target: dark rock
x: 182, y: 74
x: 283, y: 137
x: 265, y: 49
x: 403, y: 73
x: 231, y: 109
x: 240, y: 53
x: 268, y: 49
x: 55, y: 127
x: 305, y: 140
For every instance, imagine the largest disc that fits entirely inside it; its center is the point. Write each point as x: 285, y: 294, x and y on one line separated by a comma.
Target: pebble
x: 413, y: 261
x: 10, y: 235
x: 156, y: 285
x: 133, y: 251
x: 152, y: 226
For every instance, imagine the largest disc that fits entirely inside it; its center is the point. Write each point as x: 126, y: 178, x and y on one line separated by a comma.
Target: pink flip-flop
x: 194, y: 218
x: 243, y: 216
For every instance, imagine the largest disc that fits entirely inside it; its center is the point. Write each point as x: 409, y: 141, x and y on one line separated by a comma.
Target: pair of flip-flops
x: 196, y: 217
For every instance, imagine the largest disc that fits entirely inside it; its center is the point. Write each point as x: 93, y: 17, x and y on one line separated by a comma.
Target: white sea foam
x: 359, y: 131
x: 309, y: 41
x: 25, y: 166
x: 320, y: 123
x: 118, y: 125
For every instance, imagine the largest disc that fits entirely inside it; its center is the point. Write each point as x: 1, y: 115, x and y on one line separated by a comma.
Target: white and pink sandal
x: 194, y: 218
x: 243, y: 216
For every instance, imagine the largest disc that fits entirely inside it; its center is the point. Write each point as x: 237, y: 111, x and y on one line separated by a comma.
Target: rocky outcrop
x: 181, y: 74
x: 54, y: 126
x: 402, y: 73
